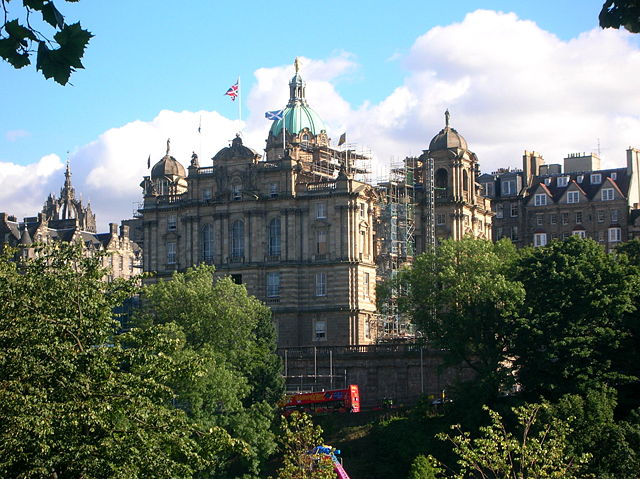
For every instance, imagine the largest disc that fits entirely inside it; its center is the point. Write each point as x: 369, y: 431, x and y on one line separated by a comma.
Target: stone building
x: 460, y: 207
x: 543, y: 203
x: 295, y: 227
x: 67, y: 219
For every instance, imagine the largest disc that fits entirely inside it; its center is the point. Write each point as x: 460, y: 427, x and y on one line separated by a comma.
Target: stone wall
x: 401, y: 372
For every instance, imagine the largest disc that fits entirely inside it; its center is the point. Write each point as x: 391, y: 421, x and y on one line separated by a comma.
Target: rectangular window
x: 321, y: 242
x: 615, y: 235
x: 514, y: 233
x: 607, y: 194
x: 596, y: 179
x: 499, y: 233
x: 273, y: 285
x: 171, y: 223
x: 489, y: 189
x: 580, y: 178
x: 321, y: 284
x: 236, y: 278
x: 206, y: 194
x: 440, y: 219
x: 614, y: 216
x: 237, y: 192
x: 553, y: 219
x: 508, y: 187
x: 539, y: 239
x: 320, y: 330
x: 514, y: 210
x: 540, y: 199
x: 539, y: 220
x: 578, y: 217
x: 580, y: 233
x: 573, y: 197
x: 600, y: 215
x: 563, y: 181
x: 171, y: 253
x: 499, y: 210
x: 614, y: 175
x: 321, y: 210
x: 367, y: 328
x: 565, y: 218
x: 366, y: 285
x: 362, y: 210
x: 273, y: 190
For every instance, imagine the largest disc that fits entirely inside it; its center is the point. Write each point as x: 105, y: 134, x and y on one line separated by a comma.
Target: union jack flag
x: 233, y: 91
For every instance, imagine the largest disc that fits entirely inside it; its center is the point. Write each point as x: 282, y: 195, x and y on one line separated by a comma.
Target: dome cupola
x: 298, y: 115
x: 168, y: 166
x: 447, y: 138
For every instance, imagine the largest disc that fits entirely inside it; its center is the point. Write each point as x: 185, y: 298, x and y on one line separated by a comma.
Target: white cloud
x: 509, y: 85
x: 23, y: 189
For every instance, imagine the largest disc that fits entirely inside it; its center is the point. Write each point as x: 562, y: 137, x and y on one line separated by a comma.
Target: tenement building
x: 541, y: 203
x: 67, y: 219
x: 295, y: 227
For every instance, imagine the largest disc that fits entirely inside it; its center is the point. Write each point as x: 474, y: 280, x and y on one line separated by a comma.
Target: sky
x: 515, y: 75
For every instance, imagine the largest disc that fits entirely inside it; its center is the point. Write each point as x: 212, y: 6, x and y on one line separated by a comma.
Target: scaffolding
x: 396, y: 241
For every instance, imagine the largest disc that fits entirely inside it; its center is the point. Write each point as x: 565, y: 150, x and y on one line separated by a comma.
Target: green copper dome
x: 298, y: 115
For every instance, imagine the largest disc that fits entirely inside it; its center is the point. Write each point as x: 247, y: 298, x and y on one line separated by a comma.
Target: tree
x: 424, y: 468
x: 76, y: 399
x: 539, y: 451
x: 621, y: 13
x: 613, y: 444
x: 572, y: 326
x: 297, y: 438
x: 222, y: 343
x: 20, y: 38
x: 463, y: 300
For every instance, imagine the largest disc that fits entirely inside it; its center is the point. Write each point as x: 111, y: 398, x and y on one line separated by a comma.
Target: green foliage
x: 79, y: 400
x: 221, y: 343
x: 296, y: 438
x: 539, y: 451
x: 424, y: 468
x: 462, y: 299
x: 56, y: 59
x: 613, y: 445
x: 621, y: 13
x: 573, y: 322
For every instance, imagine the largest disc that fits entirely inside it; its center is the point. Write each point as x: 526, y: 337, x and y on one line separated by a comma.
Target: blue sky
x: 361, y: 58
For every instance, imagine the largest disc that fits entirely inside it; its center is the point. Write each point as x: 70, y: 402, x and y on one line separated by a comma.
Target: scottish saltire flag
x: 233, y: 91
x: 274, y: 115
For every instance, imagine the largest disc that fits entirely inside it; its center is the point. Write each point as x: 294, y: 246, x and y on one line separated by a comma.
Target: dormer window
x: 573, y: 197
x: 540, y: 199
x: 580, y: 178
x: 614, y: 175
x: 547, y: 181
x: 596, y: 179
x: 562, y: 181
x: 305, y: 137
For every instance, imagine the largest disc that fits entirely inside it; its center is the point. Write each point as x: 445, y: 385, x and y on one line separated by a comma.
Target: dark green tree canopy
x: 21, y: 37
x: 621, y: 13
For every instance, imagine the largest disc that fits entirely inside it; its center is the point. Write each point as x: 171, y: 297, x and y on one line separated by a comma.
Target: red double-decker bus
x: 335, y: 400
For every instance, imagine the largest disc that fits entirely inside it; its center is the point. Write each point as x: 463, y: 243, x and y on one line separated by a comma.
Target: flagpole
x: 239, y: 100
x: 284, y: 128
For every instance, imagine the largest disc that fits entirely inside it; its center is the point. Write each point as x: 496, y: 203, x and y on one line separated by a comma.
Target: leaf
x: 52, y: 65
x: 73, y: 40
x: 9, y: 51
x: 52, y: 16
x: 33, y: 4
x: 19, y: 32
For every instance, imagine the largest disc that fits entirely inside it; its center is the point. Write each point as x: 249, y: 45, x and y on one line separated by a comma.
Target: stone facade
x: 296, y: 229
x: 67, y: 219
x: 540, y: 203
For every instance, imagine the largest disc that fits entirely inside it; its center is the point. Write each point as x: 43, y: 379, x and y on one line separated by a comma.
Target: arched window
x: 274, y: 237
x: 207, y: 243
x: 441, y: 178
x: 237, y: 239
